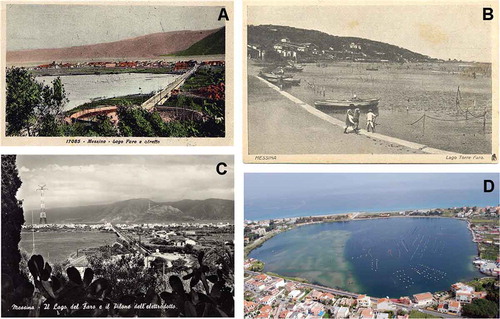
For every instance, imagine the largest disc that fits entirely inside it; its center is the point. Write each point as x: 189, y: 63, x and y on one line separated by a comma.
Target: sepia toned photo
x: 82, y: 239
x: 371, y: 82
x: 371, y: 246
x: 139, y: 74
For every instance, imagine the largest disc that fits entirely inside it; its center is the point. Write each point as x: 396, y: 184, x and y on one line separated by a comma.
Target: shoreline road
x: 160, y: 97
x: 355, y: 295
x: 278, y: 126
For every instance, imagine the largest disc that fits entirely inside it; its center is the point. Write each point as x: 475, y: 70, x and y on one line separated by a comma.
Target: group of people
x: 352, y: 121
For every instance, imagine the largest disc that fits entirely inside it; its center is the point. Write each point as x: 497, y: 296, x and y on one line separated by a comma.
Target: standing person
x: 348, y: 120
x: 355, y: 118
x: 370, y: 121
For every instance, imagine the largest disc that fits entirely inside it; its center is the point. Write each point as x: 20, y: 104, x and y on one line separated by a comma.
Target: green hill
x: 215, y: 43
x: 330, y: 46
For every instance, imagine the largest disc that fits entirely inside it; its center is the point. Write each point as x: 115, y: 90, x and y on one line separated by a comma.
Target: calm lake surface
x: 381, y: 257
x: 81, y: 89
x: 57, y: 246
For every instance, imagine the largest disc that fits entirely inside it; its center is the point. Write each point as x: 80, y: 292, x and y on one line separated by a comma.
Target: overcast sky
x: 58, y: 26
x: 440, y: 31
x: 84, y: 180
x: 290, y: 195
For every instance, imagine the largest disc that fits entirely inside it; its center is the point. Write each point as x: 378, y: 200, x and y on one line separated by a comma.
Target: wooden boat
x: 354, y: 102
x: 291, y: 81
x: 294, y: 68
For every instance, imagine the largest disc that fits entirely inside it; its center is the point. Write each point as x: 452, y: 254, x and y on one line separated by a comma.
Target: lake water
x: 380, y: 257
x: 81, y: 89
x: 57, y: 246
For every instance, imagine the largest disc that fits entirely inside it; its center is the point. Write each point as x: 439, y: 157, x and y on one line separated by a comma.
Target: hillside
x: 331, y: 46
x: 147, y: 46
x: 215, y: 43
x: 145, y: 211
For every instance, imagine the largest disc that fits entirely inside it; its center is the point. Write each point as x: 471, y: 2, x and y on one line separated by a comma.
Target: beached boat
x: 280, y: 78
x: 291, y: 81
x: 294, y: 68
x: 354, y: 102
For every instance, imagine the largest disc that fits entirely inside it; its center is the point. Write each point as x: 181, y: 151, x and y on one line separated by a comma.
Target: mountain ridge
x: 146, y: 46
x: 142, y: 210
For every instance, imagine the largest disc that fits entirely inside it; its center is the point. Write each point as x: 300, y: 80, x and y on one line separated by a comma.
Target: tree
x: 480, y: 308
x: 23, y: 97
x: 33, y: 108
x: 15, y: 286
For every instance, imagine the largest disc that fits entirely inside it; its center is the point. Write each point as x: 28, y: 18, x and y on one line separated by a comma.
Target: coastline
x: 345, y: 218
x: 264, y: 239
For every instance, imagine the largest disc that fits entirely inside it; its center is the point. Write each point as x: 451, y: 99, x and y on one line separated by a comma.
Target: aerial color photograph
x: 371, y: 245
x: 413, y: 80
x: 135, y: 71
x: 80, y: 238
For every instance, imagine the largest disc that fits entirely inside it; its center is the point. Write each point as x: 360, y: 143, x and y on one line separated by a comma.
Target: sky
x: 85, y: 180
x: 281, y: 195
x: 439, y: 31
x: 57, y: 26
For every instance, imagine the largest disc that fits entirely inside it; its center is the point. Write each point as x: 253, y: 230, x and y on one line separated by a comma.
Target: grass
x: 204, y: 77
x: 418, y: 314
x: 288, y: 278
x: 485, y: 221
x: 489, y: 252
x: 133, y: 99
x: 213, y: 44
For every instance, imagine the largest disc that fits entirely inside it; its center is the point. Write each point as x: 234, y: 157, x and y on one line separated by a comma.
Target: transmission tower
x: 43, y: 214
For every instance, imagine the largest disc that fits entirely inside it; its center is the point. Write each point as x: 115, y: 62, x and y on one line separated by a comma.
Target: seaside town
x: 170, y: 67
x: 175, y: 244
x: 268, y: 295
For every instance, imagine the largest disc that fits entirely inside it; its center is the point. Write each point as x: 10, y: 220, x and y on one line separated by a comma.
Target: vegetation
x: 418, y: 314
x: 480, y: 308
x: 32, y: 108
x: 212, y: 44
x: 288, y: 278
x: 132, y: 99
x: 257, y: 266
x: 120, y: 288
x: 268, y: 35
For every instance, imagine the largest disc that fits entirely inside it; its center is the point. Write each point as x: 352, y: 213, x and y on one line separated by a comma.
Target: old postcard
x: 82, y: 239
x: 117, y: 73
x: 371, y: 82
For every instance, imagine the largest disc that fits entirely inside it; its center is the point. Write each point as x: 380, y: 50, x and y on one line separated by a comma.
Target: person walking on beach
x: 349, y: 121
x: 370, y: 121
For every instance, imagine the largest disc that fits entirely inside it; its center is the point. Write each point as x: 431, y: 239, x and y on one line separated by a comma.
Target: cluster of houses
x: 273, y: 297
x: 295, y: 50
x: 175, y: 66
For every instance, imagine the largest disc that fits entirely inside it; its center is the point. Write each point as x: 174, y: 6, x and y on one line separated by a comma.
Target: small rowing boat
x: 354, y: 102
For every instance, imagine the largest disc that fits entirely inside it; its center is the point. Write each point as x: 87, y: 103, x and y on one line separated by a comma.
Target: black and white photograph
x: 139, y: 72
x: 371, y: 82
x: 117, y: 236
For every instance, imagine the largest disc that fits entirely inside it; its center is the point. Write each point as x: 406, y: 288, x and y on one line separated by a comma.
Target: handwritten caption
x: 87, y: 306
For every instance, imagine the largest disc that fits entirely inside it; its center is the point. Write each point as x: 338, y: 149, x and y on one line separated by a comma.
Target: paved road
x: 160, y: 97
